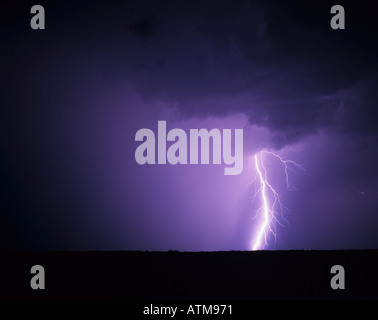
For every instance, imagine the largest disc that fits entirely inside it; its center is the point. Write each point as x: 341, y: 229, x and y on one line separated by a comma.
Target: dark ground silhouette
x: 190, y: 275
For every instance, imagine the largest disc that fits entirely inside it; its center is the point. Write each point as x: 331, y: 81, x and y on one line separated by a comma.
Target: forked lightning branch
x: 199, y: 140
x: 271, y: 205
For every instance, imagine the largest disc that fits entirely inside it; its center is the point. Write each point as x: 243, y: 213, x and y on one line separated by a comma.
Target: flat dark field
x: 136, y: 275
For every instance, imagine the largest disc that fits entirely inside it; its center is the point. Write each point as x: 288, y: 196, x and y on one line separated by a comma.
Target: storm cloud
x: 282, y: 66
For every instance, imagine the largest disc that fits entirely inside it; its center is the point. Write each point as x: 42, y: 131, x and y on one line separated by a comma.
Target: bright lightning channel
x: 270, y: 198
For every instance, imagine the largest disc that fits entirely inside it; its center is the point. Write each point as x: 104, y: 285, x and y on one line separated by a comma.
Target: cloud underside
x: 289, y: 74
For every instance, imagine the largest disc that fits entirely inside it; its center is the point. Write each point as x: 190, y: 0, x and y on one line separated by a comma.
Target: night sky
x: 74, y: 95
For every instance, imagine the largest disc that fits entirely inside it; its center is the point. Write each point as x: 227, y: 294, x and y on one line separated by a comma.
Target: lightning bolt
x: 271, y: 202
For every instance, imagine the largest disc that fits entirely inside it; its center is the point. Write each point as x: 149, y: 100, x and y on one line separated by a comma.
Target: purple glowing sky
x: 74, y: 96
